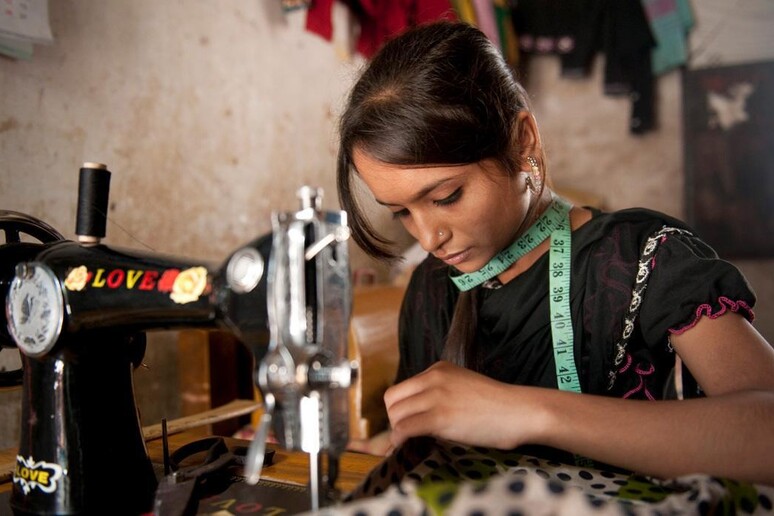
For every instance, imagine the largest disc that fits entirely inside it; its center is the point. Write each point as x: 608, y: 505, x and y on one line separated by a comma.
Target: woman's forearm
x: 730, y: 435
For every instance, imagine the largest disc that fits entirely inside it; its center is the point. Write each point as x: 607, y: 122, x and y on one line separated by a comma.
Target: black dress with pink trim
x: 688, y: 281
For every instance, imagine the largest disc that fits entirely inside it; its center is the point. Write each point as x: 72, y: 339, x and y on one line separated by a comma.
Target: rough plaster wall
x: 589, y: 147
x: 211, y: 118
x: 208, y: 118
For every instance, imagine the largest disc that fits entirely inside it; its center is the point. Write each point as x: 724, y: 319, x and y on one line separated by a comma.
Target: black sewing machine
x: 78, y: 310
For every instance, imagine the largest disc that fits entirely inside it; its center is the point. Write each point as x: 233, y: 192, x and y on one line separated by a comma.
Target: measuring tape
x: 535, y: 235
x: 559, y: 272
x: 554, y: 223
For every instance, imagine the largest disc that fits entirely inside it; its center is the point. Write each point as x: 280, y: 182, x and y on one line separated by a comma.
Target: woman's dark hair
x: 439, y: 93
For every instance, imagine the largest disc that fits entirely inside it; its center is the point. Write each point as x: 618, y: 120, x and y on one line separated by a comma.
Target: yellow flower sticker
x: 77, y: 278
x: 189, y: 285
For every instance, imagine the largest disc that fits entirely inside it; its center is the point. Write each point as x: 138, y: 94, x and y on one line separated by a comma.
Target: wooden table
x: 288, y: 467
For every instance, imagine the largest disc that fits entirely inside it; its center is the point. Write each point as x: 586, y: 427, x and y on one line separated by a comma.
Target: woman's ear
x: 527, y: 138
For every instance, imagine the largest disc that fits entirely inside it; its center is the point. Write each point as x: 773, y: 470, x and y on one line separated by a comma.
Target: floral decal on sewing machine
x: 184, y: 286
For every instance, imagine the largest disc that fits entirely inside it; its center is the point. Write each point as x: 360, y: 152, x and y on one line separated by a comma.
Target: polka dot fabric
x: 428, y: 477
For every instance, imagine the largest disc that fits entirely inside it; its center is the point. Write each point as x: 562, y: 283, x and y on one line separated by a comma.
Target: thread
x: 93, y: 192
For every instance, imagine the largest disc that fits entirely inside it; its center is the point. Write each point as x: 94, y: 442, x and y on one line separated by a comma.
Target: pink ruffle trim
x: 705, y: 309
x: 642, y: 373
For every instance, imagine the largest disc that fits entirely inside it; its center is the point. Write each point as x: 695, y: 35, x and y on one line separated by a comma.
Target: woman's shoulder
x: 638, y: 219
x: 629, y: 227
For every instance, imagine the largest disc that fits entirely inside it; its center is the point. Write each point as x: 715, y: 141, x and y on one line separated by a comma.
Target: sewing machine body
x: 77, y: 311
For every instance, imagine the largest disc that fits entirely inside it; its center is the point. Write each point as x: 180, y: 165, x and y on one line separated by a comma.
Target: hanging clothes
x: 493, y: 18
x: 465, y: 11
x: 548, y: 26
x: 486, y: 20
x: 577, y: 30
x: 627, y: 48
x: 319, y: 19
x: 378, y: 19
x: 670, y: 21
x: 385, y: 18
x: 508, y: 41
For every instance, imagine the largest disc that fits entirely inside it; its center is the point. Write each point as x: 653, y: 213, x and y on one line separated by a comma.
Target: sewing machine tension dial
x: 34, y: 309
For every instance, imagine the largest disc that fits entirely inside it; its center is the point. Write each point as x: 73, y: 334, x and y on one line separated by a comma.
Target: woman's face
x: 462, y: 214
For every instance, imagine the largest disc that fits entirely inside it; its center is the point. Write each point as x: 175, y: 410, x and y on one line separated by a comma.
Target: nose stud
x: 440, y: 233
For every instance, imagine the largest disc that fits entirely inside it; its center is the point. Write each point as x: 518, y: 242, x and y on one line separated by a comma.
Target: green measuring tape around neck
x: 553, y: 224
x: 559, y: 272
x: 557, y: 211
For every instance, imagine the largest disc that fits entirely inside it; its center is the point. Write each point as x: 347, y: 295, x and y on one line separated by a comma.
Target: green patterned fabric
x: 438, y: 478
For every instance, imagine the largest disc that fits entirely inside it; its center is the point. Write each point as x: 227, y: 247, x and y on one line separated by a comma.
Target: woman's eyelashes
x: 446, y: 201
x: 400, y: 214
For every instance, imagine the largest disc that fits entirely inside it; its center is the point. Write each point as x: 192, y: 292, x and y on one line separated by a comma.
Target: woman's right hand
x: 453, y: 403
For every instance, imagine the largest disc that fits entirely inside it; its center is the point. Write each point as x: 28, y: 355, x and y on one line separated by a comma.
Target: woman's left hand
x: 450, y: 402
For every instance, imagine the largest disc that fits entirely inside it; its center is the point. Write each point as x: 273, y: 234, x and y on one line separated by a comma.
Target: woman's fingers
x: 449, y: 402
x: 420, y: 397
x: 415, y: 385
x: 412, y: 426
x: 425, y: 404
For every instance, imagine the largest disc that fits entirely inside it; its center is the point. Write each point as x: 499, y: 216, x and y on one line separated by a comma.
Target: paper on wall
x: 25, y: 21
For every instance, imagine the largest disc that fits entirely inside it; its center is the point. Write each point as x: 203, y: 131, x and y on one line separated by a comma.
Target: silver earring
x: 440, y: 233
x: 531, y: 186
x: 536, y: 180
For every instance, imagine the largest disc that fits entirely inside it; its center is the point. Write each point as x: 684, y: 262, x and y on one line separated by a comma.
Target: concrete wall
x: 211, y: 114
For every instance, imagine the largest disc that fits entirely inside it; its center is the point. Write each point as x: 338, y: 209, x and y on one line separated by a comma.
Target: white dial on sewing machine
x: 34, y: 308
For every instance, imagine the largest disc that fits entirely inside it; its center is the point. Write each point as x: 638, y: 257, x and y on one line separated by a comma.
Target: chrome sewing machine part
x: 244, y: 270
x: 305, y: 374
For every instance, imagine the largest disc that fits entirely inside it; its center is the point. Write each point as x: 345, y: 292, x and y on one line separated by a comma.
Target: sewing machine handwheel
x: 20, y: 228
x: 15, y: 224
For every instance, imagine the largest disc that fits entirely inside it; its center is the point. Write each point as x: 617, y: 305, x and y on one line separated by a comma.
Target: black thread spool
x: 93, y: 192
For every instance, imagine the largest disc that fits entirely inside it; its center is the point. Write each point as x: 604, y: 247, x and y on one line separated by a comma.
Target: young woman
x: 532, y: 322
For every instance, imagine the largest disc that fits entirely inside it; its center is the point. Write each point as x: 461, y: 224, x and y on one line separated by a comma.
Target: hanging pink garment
x: 485, y: 15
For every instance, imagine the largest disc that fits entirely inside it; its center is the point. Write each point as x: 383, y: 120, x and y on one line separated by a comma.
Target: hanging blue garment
x: 670, y: 22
